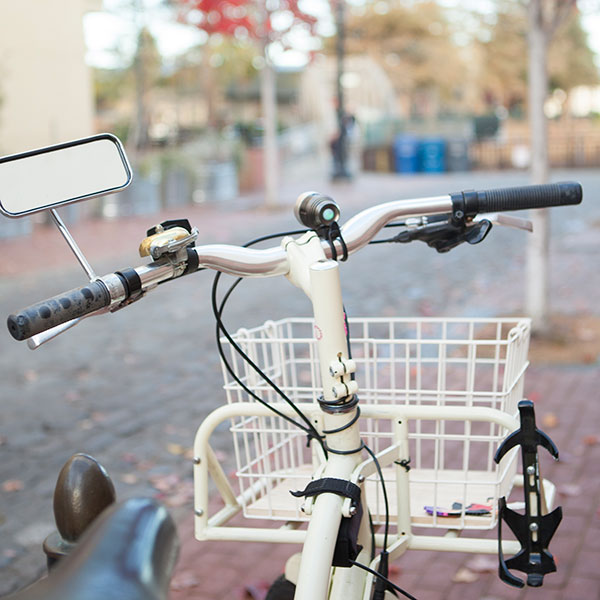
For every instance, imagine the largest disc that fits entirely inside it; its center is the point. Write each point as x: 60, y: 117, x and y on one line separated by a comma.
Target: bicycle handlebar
x: 109, y: 292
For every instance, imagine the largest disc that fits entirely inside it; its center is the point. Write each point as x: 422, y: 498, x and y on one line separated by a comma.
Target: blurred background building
x: 46, y: 92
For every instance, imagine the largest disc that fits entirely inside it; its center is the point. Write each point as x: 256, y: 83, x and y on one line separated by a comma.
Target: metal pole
x: 340, y: 151
x: 538, y: 269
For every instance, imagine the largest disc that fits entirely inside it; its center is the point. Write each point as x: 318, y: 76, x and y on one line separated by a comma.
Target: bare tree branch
x: 562, y: 11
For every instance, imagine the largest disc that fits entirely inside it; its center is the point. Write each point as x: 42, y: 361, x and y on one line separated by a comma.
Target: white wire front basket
x: 456, y: 364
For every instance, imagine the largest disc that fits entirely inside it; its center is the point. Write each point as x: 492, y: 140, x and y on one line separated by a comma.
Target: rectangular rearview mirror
x: 49, y: 177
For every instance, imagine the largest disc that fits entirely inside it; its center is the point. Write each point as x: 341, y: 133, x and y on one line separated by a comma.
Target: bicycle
x: 303, y: 432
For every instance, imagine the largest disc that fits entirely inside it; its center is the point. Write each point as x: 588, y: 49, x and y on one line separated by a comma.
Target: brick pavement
x: 567, y: 399
x: 76, y: 395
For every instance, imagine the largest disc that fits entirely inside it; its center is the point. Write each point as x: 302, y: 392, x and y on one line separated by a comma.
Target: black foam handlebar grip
x: 531, y: 196
x: 60, y: 309
x: 519, y: 198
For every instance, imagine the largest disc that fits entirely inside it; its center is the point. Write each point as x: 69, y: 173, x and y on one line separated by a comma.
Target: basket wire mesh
x: 459, y: 363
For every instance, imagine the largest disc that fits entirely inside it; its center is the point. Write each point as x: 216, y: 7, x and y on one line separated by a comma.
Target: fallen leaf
x: 129, y: 457
x: 83, y: 374
x: 426, y: 308
x: 165, y: 483
x: 482, y: 564
x: 591, y: 440
x: 72, y: 396
x: 145, y: 465
x: 184, y: 494
x: 129, y: 478
x: 176, y: 449
x: 12, y: 485
x: 550, y: 420
x: 177, y: 501
x: 30, y: 375
x: 184, y: 580
x: 464, y: 575
x: 256, y: 591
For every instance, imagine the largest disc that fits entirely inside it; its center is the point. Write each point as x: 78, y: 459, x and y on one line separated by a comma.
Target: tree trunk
x: 208, y: 86
x: 537, y: 286
x: 138, y: 140
x: 268, y: 97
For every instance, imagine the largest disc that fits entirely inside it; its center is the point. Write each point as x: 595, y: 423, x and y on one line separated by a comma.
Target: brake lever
x: 506, y: 220
x: 445, y: 233
x: 35, y: 341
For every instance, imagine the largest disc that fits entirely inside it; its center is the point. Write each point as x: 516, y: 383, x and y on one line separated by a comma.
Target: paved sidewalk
x: 568, y: 408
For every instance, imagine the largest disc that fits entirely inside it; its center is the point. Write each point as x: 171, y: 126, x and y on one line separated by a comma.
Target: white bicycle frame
x: 318, y: 277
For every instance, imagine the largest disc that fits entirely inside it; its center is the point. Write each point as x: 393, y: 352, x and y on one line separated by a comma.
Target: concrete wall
x: 45, y: 86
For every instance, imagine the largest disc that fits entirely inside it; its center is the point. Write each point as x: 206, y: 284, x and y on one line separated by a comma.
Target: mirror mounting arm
x: 89, y: 271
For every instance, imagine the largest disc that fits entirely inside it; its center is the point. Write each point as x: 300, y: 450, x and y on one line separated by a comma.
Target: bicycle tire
x: 281, y: 589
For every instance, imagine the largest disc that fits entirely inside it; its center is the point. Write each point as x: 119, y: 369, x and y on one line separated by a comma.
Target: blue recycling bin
x: 432, y: 155
x: 406, y: 154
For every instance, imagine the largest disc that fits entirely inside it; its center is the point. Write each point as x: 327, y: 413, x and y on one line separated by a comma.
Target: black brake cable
x: 218, y: 310
x: 385, y: 579
x: 385, y: 497
x: 309, y: 428
x: 388, y: 240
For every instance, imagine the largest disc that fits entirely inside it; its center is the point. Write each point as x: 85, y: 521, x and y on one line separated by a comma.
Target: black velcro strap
x: 331, y: 485
x: 347, y: 547
x: 193, y: 260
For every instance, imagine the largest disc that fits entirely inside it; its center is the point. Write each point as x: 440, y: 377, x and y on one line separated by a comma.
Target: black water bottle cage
x: 532, y: 529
